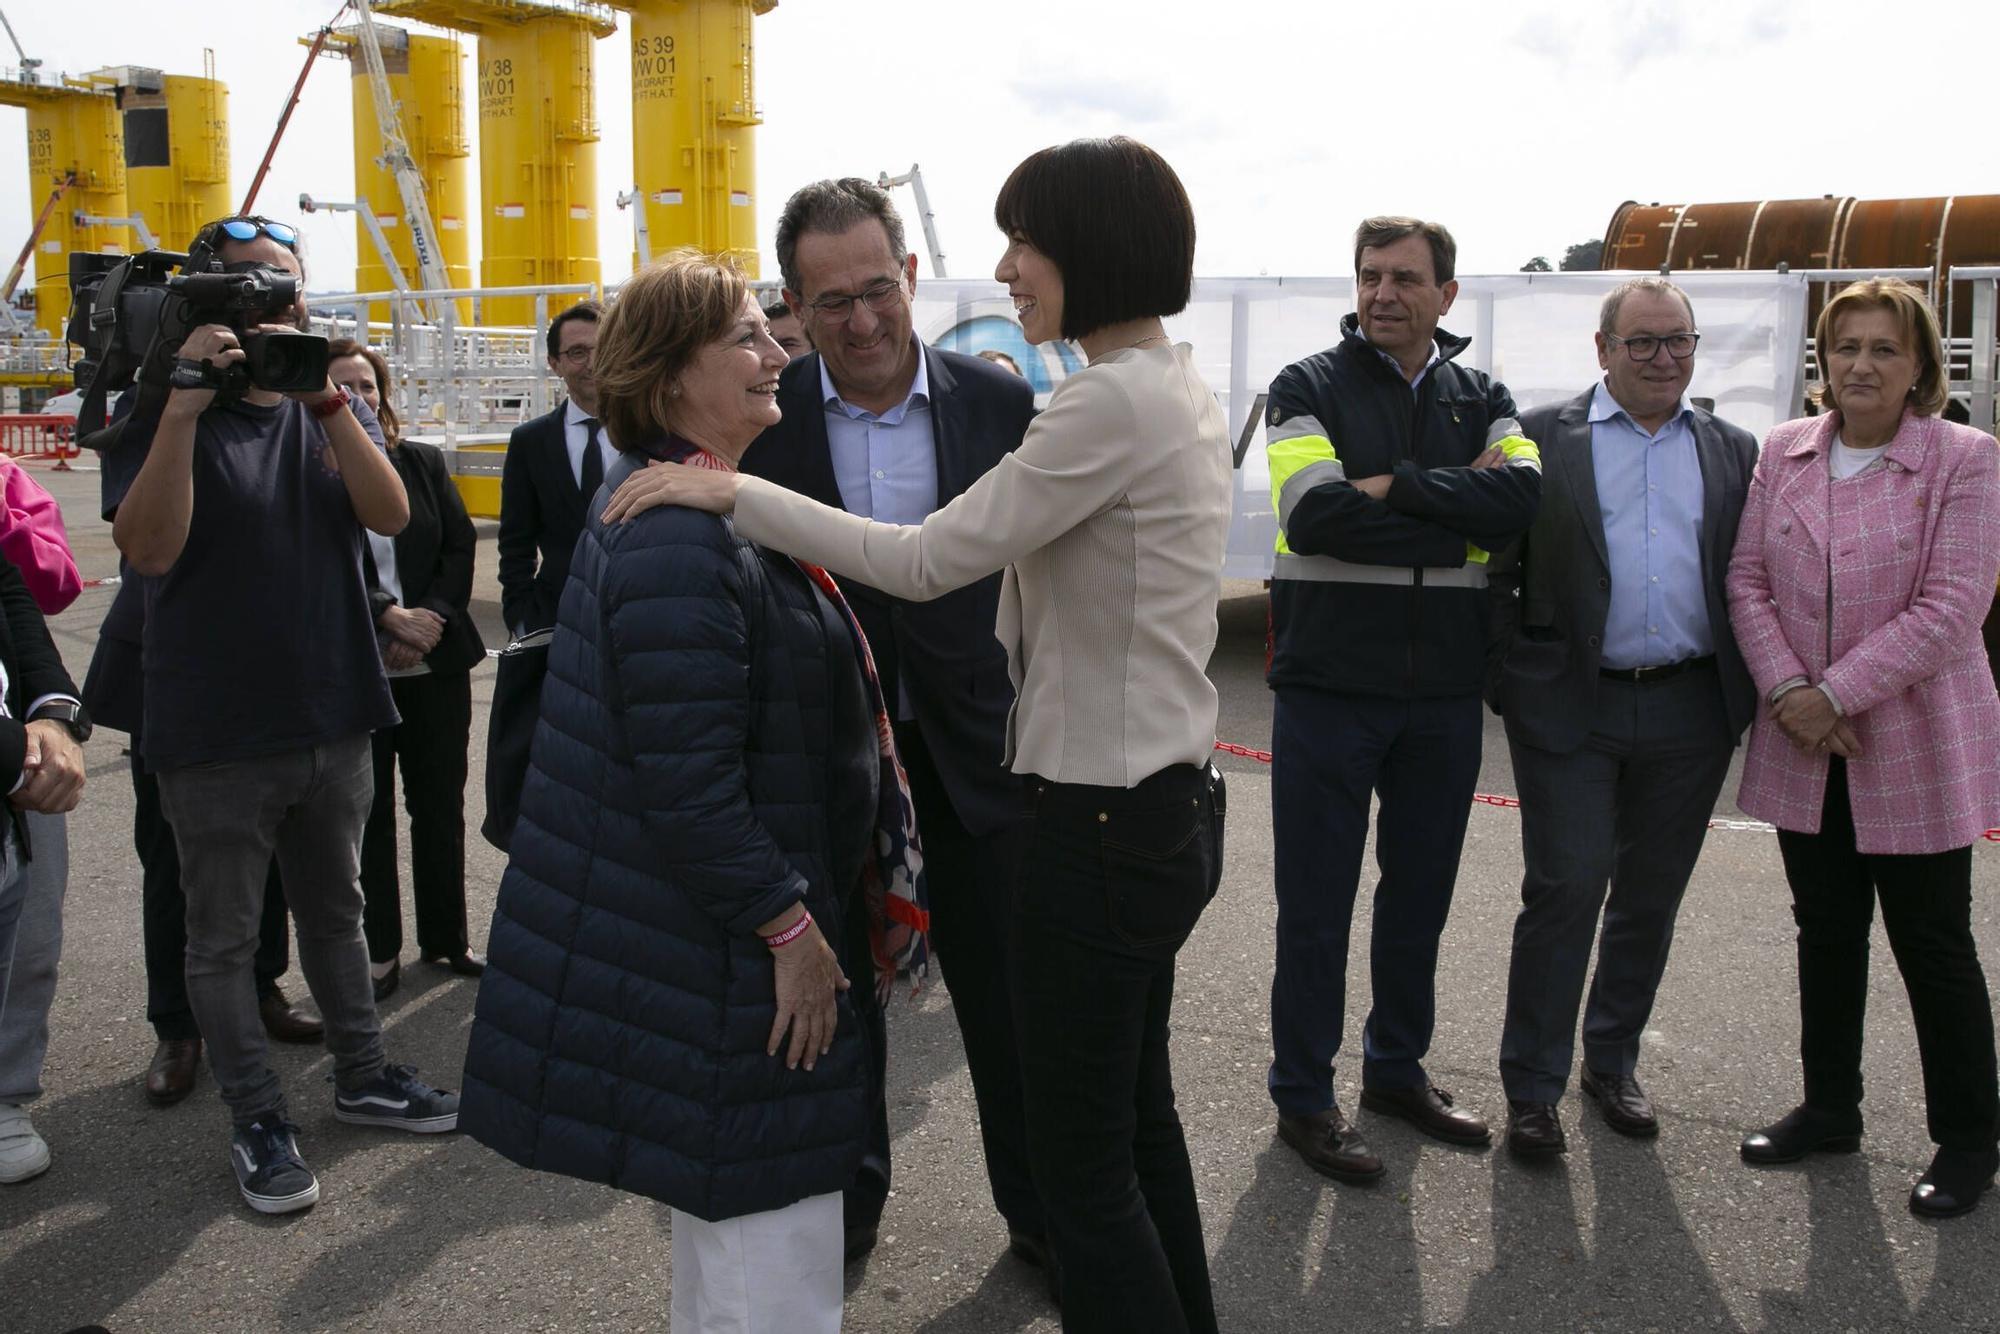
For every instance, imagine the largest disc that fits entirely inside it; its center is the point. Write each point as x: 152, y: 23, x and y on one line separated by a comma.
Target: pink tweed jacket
x: 1911, y: 549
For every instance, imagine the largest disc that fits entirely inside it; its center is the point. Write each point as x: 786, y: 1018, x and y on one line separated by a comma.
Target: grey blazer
x: 1552, y: 590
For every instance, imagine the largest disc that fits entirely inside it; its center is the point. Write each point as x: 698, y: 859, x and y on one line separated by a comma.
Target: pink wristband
x: 790, y: 933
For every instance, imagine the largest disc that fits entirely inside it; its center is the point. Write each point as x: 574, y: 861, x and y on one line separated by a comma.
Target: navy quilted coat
x: 677, y: 796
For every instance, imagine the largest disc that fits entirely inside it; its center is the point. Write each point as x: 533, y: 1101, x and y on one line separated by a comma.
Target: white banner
x: 1531, y: 330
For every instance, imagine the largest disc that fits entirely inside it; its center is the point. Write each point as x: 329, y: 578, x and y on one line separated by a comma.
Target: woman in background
x: 419, y: 586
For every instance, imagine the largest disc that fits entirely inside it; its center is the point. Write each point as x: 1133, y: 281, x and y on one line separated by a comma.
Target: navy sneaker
x: 269, y: 1172
x: 397, y: 1100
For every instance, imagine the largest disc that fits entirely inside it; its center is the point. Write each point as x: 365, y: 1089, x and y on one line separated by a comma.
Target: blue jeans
x: 24, y: 1025
x: 1329, y: 755
x: 1111, y: 883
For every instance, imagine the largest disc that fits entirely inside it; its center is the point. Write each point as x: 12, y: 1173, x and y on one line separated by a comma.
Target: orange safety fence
x: 39, y: 435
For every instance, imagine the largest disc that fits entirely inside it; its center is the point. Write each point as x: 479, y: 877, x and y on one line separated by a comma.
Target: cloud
x: 1067, y: 95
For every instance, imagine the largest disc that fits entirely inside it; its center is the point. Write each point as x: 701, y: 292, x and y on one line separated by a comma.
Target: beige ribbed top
x: 1111, y: 521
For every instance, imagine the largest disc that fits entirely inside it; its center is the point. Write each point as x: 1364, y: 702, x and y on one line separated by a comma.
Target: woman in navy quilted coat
x: 709, y: 782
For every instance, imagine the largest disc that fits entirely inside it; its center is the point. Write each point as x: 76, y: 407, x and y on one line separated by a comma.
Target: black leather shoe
x: 467, y: 964
x: 285, y: 1021
x: 1625, y: 1105
x: 171, y: 1075
x: 1954, y: 1183
x: 1429, y: 1109
x: 1534, y: 1130
x: 1030, y: 1248
x: 1804, y: 1130
x: 859, y: 1241
x: 1331, y: 1146
x: 385, y: 985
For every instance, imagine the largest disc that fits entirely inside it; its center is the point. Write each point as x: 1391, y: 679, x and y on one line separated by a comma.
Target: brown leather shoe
x: 1429, y: 1109
x: 285, y: 1021
x: 1534, y: 1130
x: 1625, y: 1105
x: 1331, y: 1146
x: 171, y: 1075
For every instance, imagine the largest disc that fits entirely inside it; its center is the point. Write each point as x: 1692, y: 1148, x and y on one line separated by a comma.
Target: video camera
x: 130, y: 314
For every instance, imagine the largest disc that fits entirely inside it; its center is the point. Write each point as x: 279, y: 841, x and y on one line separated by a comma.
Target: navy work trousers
x: 1330, y: 754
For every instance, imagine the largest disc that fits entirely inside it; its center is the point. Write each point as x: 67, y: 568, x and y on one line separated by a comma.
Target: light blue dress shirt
x: 1649, y: 493
x: 884, y: 463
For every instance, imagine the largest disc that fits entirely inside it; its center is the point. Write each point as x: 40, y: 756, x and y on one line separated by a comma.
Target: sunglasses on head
x: 249, y: 229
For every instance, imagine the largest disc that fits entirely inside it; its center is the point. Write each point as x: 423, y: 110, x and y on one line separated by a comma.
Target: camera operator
x: 262, y: 685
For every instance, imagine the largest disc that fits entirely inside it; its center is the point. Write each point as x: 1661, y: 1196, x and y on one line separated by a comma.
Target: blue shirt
x: 884, y: 463
x: 1649, y: 493
x: 1397, y: 366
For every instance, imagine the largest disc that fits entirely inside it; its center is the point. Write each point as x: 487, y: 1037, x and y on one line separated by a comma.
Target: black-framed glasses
x: 1644, y: 347
x: 249, y: 229
x: 837, y: 306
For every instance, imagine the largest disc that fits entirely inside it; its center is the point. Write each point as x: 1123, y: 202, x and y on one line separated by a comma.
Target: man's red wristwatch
x: 326, y: 407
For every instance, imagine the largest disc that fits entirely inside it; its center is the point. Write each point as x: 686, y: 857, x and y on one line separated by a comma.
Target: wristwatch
x: 67, y: 712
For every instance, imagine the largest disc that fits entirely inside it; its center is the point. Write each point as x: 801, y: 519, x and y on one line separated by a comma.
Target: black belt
x: 1666, y: 673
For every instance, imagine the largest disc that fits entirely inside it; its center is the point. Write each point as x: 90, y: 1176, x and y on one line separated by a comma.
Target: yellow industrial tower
x: 72, y: 128
x: 176, y: 150
x: 427, y: 79
x: 694, y: 113
x: 537, y: 138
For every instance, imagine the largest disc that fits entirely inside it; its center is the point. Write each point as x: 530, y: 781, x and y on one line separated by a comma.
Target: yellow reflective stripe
x: 1300, y: 457
x: 1476, y: 555
x: 1521, y: 452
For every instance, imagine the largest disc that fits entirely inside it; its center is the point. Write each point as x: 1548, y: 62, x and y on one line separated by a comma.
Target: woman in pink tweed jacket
x: 1866, y: 560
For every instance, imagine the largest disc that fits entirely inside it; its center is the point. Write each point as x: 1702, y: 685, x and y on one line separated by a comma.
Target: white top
x: 1845, y: 460
x: 1111, y: 521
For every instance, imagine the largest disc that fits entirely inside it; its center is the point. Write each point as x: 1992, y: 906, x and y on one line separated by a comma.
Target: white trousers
x: 777, y: 1272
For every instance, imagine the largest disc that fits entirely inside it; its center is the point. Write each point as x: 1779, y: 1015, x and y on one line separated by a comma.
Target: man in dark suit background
x: 554, y: 465
x: 1623, y: 695
x: 880, y: 425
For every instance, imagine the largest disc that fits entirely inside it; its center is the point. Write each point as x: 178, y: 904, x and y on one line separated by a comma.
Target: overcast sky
x: 1521, y: 125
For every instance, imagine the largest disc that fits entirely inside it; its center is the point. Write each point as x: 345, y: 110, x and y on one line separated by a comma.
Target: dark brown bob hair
x: 1114, y: 219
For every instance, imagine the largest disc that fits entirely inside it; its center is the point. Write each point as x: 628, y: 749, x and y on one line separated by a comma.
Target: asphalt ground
x: 138, y: 1224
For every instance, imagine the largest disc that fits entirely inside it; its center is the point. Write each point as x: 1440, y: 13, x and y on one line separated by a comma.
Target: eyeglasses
x: 576, y: 354
x: 249, y: 229
x: 1645, y: 347
x: 881, y: 298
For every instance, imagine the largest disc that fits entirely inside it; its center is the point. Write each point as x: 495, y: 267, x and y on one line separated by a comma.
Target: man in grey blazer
x: 1623, y: 695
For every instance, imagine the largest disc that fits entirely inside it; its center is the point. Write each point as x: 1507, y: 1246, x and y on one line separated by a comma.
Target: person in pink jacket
x: 1866, y: 560
x: 33, y: 537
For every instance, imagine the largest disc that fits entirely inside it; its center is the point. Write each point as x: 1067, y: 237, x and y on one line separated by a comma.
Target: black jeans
x: 1927, y: 911
x: 430, y: 742
x: 1111, y: 883
x: 163, y: 916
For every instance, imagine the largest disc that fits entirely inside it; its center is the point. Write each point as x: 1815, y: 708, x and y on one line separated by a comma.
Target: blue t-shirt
x: 259, y: 639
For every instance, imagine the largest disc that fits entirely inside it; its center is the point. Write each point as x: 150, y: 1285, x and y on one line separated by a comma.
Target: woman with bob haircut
x: 1110, y: 521
x: 710, y: 779
x: 1869, y: 546
x: 420, y: 593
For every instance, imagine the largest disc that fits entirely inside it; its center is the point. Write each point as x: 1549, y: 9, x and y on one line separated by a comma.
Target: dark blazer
x: 943, y: 652
x: 34, y: 669
x: 1552, y: 590
x: 541, y: 513
x: 678, y: 797
x: 434, y: 555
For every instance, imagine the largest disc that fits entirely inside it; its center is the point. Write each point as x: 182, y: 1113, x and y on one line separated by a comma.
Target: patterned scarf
x: 893, y: 879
